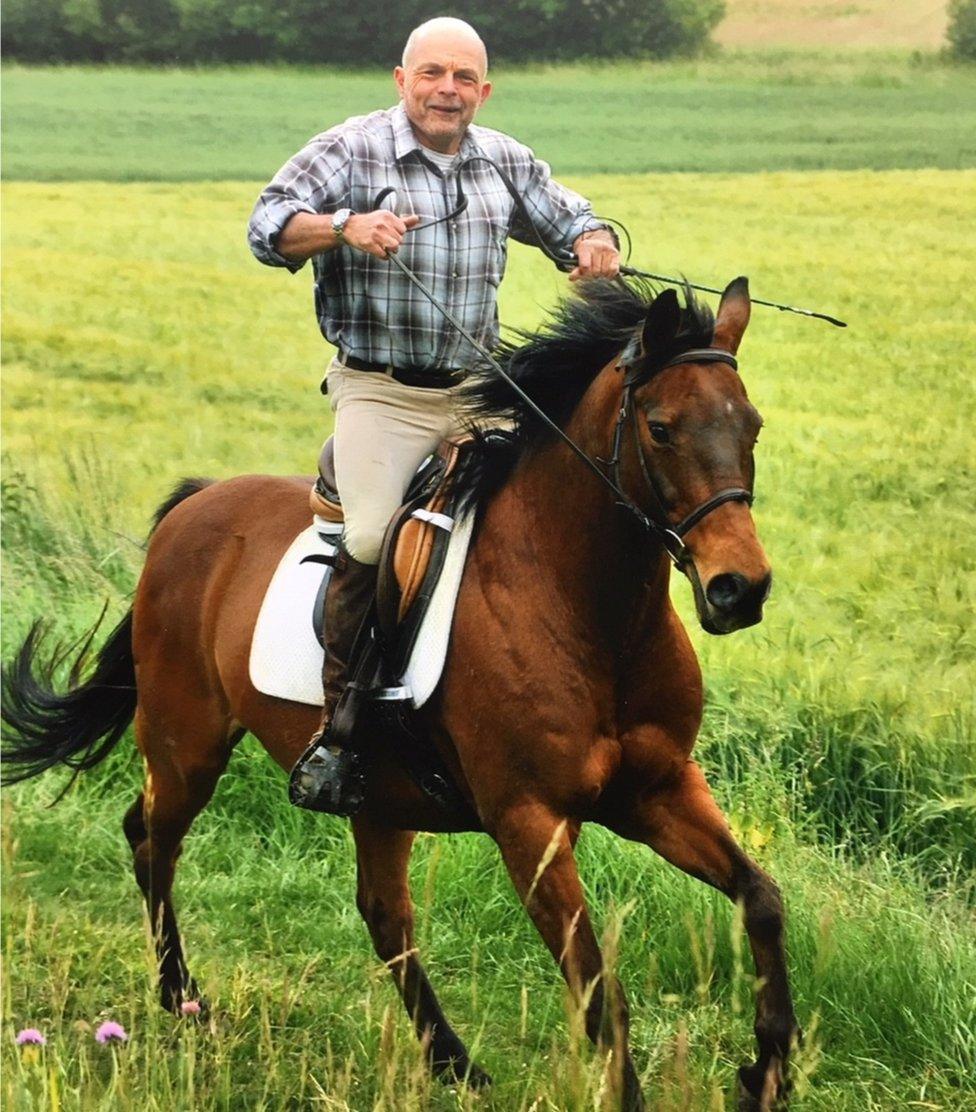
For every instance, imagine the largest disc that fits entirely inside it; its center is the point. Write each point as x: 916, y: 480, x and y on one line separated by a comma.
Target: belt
x: 409, y: 376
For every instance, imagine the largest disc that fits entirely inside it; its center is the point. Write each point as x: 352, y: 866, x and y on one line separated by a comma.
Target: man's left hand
x: 596, y: 256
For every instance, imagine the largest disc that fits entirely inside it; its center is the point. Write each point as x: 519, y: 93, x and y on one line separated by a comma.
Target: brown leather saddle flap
x: 415, y: 538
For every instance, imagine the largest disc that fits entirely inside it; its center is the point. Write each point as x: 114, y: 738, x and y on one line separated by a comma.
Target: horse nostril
x: 725, y: 592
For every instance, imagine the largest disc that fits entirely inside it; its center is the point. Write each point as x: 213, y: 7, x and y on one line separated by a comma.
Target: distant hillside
x: 866, y: 23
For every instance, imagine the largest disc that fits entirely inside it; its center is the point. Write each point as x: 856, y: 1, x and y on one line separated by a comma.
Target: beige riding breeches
x: 383, y: 432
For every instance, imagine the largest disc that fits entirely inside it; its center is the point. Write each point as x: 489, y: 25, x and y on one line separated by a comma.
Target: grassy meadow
x: 808, y: 110
x: 143, y: 343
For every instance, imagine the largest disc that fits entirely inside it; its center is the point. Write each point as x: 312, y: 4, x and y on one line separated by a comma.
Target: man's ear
x: 734, y: 311
x: 486, y: 89
x: 398, y: 76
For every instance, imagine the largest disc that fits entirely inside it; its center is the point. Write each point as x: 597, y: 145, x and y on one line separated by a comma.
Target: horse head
x: 695, y: 432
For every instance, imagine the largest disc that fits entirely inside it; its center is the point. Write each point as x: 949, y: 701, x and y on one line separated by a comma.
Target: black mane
x: 554, y: 366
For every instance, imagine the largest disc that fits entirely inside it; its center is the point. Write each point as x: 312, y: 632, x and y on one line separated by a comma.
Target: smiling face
x: 442, y: 83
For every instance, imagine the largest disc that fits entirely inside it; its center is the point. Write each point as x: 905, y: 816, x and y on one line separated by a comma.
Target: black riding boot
x: 330, y: 776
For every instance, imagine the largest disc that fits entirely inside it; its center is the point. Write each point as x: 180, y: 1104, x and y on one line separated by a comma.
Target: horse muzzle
x: 729, y: 600
x: 734, y: 602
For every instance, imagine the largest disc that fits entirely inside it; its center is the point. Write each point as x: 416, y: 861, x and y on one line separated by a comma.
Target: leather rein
x: 659, y: 525
x: 670, y: 535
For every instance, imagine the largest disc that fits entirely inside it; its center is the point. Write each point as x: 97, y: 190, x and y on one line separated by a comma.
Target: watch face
x: 339, y: 220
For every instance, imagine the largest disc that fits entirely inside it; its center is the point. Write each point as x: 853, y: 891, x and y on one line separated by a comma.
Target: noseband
x: 670, y: 534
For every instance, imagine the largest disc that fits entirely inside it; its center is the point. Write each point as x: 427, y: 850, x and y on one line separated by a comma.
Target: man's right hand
x: 377, y: 233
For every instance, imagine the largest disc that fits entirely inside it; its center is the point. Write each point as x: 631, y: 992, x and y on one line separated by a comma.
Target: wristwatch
x: 339, y: 221
x: 602, y: 228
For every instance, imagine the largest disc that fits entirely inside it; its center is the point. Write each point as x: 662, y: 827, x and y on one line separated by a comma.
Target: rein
x: 567, y: 262
x: 670, y: 535
x: 659, y: 526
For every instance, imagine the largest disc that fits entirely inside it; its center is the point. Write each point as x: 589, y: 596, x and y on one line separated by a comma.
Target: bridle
x: 658, y: 523
x: 670, y: 535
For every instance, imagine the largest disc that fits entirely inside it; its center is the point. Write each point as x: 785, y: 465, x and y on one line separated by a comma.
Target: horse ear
x: 661, y: 324
x: 733, y: 315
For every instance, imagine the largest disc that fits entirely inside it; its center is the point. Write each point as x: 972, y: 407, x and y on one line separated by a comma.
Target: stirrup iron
x: 327, y: 778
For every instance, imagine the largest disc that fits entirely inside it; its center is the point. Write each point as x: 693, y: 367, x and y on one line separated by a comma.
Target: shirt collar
x: 405, y: 142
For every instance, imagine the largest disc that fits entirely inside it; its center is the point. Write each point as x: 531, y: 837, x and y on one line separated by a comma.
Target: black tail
x: 80, y: 727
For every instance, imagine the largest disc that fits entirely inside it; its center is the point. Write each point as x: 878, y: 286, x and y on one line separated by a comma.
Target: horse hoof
x: 760, y: 1091
x: 475, y: 1077
x: 184, y: 1001
x: 463, y: 1070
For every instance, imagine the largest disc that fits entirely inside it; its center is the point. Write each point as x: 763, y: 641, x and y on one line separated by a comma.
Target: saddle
x: 414, y: 543
x: 411, y: 559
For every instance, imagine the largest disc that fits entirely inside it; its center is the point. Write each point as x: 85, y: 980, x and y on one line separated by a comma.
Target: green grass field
x: 142, y: 343
x: 777, y: 111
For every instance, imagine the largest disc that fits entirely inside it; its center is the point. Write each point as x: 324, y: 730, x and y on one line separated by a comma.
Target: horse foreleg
x: 383, y: 899
x: 684, y: 825
x: 537, y: 848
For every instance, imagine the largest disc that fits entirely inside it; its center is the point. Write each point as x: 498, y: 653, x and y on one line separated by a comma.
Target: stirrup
x: 329, y: 779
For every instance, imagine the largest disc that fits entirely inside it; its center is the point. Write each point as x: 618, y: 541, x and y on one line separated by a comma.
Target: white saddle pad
x: 286, y: 657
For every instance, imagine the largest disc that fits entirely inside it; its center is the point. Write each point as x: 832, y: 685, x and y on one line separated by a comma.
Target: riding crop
x: 566, y: 263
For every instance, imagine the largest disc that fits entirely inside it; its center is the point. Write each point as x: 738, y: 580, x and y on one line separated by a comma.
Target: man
x: 393, y: 380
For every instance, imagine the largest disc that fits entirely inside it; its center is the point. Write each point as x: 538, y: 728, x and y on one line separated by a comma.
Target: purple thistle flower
x: 30, y: 1036
x: 110, y: 1031
x: 190, y: 1007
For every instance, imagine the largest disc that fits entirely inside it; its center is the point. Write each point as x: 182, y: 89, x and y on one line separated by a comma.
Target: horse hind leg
x: 181, y: 775
x: 383, y: 898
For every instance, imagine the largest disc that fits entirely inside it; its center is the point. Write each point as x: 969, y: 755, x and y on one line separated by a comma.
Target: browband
x: 704, y: 355
x: 636, y: 374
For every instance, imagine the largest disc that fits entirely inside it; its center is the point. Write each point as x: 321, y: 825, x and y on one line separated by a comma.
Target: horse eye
x: 659, y: 433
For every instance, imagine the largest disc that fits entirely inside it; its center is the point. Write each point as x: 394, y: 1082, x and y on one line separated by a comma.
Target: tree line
x: 327, y: 31
x: 962, y: 29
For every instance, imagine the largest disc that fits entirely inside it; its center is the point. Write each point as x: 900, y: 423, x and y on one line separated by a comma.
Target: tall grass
x: 146, y: 344
x: 884, y: 977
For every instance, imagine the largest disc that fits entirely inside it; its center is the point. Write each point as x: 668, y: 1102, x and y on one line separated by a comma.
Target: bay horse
x: 571, y: 692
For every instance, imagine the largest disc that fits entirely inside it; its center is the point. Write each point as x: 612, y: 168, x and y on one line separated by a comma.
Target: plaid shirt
x: 365, y: 305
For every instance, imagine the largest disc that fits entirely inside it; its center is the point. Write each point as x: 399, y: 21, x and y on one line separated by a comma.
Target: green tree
x: 334, y: 31
x: 961, y: 32
x: 34, y: 30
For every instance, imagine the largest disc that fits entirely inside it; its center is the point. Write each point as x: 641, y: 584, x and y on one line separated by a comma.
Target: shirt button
x: 455, y: 275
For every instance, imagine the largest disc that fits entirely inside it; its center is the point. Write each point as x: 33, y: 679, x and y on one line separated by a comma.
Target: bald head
x: 442, y: 81
x: 445, y: 33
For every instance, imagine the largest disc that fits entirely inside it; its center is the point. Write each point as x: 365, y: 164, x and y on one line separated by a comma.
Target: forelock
x: 439, y: 24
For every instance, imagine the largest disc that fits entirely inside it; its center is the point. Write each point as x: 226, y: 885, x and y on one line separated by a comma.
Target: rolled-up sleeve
x: 557, y: 214
x: 316, y: 180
